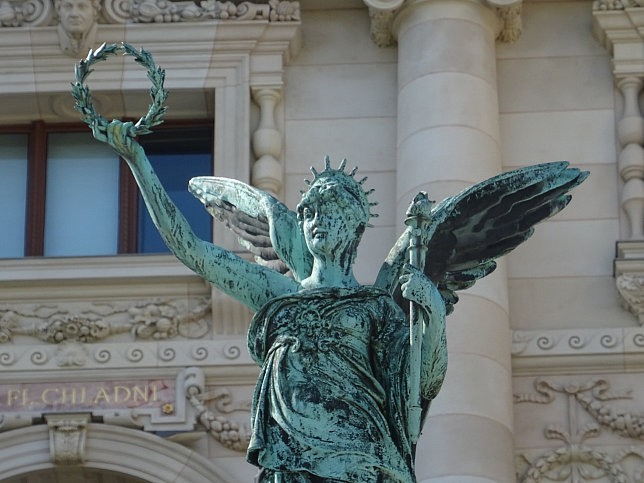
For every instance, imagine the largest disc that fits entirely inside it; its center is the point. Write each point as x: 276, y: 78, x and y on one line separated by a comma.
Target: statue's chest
x: 323, y: 325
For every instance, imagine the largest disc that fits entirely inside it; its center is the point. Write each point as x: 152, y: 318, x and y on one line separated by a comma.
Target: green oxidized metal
x: 345, y: 381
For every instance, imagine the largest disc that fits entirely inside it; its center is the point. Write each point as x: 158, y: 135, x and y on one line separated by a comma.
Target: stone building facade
x: 119, y: 366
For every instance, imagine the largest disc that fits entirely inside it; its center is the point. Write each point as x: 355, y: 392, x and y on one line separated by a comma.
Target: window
x: 176, y: 156
x: 62, y: 193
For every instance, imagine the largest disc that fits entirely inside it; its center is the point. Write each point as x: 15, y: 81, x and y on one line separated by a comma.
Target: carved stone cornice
x: 619, y: 28
x: 143, y: 355
x: 383, y: 12
x: 577, y: 351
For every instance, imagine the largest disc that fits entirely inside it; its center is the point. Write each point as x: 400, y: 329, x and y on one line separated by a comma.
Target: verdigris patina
x: 347, y: 371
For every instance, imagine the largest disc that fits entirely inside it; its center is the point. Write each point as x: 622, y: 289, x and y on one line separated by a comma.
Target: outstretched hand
x: 120, y: 136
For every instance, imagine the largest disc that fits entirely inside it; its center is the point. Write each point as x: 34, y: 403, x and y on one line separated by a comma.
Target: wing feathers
x: 486, y: 221
x: 262, y: 224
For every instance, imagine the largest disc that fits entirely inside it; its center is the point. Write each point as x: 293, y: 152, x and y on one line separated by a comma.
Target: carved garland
x: 156, y: 320
x: 573, y: 457
x: 230, y: 434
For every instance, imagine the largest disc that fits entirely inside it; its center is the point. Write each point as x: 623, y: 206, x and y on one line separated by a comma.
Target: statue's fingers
x: 128, y: 129
x: 99, y: 131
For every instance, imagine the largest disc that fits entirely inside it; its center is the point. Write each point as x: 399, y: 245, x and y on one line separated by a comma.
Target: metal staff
x: 418, y: 217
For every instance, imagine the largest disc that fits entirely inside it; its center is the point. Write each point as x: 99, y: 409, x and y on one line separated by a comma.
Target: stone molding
x: 123, y: 450
x: 383, y: 12
x: 144, y: 355
x: 577, y: 351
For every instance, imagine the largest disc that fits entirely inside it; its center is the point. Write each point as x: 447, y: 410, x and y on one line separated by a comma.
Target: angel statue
x: 347, y: 371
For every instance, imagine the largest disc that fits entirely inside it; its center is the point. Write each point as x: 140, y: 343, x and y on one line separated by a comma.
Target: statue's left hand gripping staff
x: 418, y: 219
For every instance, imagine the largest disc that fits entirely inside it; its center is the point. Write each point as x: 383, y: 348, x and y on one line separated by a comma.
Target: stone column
x: 630, y: 132
x: 448, y: 139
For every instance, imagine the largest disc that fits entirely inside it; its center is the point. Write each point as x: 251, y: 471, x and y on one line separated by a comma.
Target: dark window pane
x: 177, y: 156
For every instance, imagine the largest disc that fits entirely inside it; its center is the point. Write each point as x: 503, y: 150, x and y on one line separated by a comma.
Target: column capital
x: 383, y: 12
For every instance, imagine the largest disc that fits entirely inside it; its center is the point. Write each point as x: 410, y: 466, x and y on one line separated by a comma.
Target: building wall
x: 341, y: 102
x: 556, y: 99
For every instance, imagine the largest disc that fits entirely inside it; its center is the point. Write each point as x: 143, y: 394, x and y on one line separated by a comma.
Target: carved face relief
x: 76, y: 16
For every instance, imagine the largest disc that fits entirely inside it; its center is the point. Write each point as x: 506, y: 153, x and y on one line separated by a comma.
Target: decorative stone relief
x: 77, y: 25
x: 631, y: 291
x: 19, y: 13
x: 127, y: 355
x: 165, y: 11
x: 512, y: 23
x: 67, y: 434
x: 229, y: 433
x: 574, y: 460
x: 152, y: 320
x: 629, y: 276
x: 381, y: 22
x: 37, y: 13
x: 530, y: 343
x: 605, y: 5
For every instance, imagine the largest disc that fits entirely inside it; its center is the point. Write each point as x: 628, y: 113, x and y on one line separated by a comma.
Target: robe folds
x: 331, y: 395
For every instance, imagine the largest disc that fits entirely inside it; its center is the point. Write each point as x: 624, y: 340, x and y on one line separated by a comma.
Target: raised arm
x: 251, y: 284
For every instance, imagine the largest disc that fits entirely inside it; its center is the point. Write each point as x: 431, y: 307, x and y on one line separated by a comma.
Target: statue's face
x: 328, y: 231
x: 76, y: 16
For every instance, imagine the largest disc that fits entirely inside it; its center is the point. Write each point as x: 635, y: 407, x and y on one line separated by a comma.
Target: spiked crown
x: 333, y: 178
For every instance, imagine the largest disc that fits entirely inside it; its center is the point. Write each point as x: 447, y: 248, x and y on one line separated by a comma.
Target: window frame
x: 37, y: 150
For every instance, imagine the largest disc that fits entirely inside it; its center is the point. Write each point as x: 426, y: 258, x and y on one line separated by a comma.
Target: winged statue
x: 344, y: 387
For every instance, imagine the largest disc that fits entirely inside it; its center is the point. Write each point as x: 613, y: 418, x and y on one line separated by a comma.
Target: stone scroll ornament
x: 345, y: 383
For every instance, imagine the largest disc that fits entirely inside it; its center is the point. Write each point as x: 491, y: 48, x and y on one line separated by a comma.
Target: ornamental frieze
x: 77, y: 21
x: 38, y: 13
x: 148, y: 319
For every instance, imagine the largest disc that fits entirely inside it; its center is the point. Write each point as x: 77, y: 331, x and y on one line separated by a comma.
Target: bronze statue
x: 347, y: 371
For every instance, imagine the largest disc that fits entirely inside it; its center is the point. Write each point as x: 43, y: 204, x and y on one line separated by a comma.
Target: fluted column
x: 630, y: 132
x: 448, y: 139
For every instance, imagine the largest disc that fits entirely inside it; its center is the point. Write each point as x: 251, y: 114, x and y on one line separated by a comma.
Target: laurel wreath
x: 83, y: 97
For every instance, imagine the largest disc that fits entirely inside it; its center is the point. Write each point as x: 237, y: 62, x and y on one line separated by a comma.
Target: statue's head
x: 335, y: 210
x: 77, y: 16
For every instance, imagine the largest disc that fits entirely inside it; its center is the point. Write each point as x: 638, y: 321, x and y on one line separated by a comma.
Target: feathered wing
x: 263, y: 224
x: 484, y: 222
